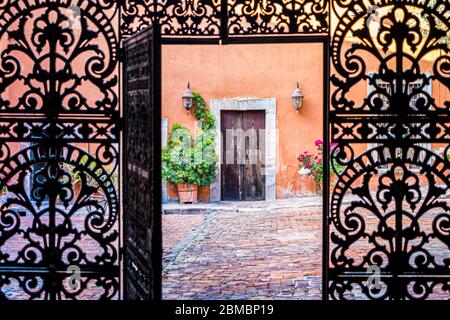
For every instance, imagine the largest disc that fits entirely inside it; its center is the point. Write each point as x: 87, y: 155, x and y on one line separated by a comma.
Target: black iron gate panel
x: 59, y: 146
x: 142, y: 180
x: 226, y: 18
x: 389, y: 218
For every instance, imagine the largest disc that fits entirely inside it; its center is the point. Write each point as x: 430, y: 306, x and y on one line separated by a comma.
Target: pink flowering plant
x: 312, y: 164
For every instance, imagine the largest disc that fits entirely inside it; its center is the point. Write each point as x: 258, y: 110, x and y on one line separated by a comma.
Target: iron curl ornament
x: 60, y: 57
x: 227, y: 18
x: 278, y: 17
x: 388, y: 208
x: 49, y: 220
x: 409, y: 33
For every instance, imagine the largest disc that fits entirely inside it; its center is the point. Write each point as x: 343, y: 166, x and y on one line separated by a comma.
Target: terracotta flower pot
x: 188, y: 193
x: 306, y: 185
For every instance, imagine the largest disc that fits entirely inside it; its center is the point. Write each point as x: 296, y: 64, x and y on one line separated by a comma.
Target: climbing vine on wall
x: 192, y: 162
x: 203, y: 114
x: 205, y: 142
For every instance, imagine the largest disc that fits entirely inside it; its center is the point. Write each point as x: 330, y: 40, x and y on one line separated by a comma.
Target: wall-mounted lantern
x: 297, y: 98
x: 188, y: 98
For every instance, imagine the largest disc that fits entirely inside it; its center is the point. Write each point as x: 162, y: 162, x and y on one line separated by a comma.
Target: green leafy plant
x: 4, y: 189
x: 203, y: 114
x: 178, y: 157
x: 187, y: 160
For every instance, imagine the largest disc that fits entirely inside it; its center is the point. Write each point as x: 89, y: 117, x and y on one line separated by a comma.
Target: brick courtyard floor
x: 250, y: 254
x: 259, y: 250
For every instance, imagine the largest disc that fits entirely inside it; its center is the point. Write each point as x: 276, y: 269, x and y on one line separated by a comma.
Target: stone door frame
x: 248, y: 104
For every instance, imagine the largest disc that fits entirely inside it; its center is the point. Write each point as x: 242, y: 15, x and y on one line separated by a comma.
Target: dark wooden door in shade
x: 243, y: 155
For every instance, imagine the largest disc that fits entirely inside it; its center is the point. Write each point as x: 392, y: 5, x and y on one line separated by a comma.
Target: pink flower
x: 308, y: 165
x: 318, y: 143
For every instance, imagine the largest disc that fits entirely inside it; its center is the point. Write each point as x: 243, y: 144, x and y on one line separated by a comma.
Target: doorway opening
x: 243, y: 163
x: 246, y: 144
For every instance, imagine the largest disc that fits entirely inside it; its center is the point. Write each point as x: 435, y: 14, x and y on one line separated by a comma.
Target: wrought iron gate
x: 390, y: 215
x: 142, y: 183
x: 59, y: 130
x: 61, y: 125
x: 191, y: 21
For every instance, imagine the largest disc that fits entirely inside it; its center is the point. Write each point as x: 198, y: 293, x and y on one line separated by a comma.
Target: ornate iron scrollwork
x: 388, y: 207
x: 223, y: 18
x: 58, y: 93
x: 56, y: 63
x: 138, y: 15
x: 278, y: 17
x: 176, y: 18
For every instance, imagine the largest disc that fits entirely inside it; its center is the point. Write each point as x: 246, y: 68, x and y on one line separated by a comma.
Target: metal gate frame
x: 183, y: 34
x: 60, y: 124
x: 142, y: 166
x: 54, y: 123
x: 324, y: 40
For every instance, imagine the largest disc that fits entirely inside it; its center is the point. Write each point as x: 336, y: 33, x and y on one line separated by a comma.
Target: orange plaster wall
x: 256, y: 71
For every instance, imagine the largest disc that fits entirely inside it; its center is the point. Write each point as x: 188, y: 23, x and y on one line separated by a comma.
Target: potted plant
x: 189, y: 164
x: 312, y: 165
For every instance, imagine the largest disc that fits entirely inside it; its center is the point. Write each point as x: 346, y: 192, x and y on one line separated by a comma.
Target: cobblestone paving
x: 176, y: 227
x: 245, y: 255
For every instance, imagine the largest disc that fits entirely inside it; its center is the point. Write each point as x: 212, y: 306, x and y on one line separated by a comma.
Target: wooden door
x: 243, y: 155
